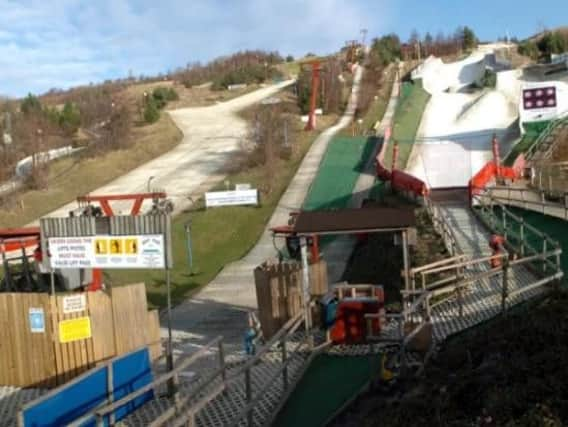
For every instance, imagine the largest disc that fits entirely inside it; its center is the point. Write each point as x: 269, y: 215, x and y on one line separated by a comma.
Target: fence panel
x: 129, y: 307
x: 26, y: 357
x: 119, y: 323
x: 102, y: 324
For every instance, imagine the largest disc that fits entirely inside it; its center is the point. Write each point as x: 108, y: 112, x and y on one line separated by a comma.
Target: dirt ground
x: 509, y: 372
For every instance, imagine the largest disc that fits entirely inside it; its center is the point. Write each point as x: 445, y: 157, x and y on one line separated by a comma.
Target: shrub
x: 151, y: 111
x: 70, y: 118
x: 489, y: 79
x: 162, y: 95
x: 30, y: 104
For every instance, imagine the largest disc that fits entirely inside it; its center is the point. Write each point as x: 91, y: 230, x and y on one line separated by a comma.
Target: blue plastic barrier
x: 71, y: 401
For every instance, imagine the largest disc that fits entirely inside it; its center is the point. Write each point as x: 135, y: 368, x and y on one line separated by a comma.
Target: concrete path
x: 221, y: 307
x: 212, y: 136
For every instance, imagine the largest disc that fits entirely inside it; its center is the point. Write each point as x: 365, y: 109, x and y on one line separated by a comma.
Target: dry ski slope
x: 211, y: 137
x: 454, y: 138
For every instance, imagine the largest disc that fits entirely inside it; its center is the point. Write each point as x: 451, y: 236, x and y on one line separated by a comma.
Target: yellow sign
x: 101, y: 247
x: 74, y: 329
x: 131, y: 246
x: 116, y: 246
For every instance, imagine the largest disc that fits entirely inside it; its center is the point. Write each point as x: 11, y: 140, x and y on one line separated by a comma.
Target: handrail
x: 442, y: 227
x: 530, y: 152
x: 437, y: 263
x: 511, y: 215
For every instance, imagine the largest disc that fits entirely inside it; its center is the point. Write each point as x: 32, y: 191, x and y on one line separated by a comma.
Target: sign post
x: 187, y: 227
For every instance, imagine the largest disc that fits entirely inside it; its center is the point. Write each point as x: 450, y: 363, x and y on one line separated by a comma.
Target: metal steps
x: 482, y: 300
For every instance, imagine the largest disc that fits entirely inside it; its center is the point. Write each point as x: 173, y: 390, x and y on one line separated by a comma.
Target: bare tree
x: 267, y: 137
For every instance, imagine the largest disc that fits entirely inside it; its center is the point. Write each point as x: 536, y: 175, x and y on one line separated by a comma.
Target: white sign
x: 242, y: 187
x: 231, y: 198
x: 74, y: 303
x: 120, y: 252
x: 37, y: 320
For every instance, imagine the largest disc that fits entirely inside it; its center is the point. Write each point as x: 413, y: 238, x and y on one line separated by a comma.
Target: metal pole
x: 505, y: 290
x: 405, y: 259
x: 522, y: 237
x: 169, y: 352
x: 248, y: 391
x: 189, y: 246
x: 52, y: 280
x: 285, y: 363
x: 306, y: 283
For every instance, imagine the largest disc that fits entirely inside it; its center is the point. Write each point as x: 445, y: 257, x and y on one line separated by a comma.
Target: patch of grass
x: 74, y: 176
x: 407, y: 119
x: 220, y: 235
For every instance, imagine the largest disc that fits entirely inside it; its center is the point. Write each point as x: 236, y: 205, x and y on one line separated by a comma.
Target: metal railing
x: 531, y: 151
x: 455, y: 291
x: 442, y: 227
x: 220, y: 381
x: 532, y: 199
x: 522, y: 238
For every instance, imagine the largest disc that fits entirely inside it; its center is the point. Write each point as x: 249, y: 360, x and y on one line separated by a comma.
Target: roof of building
x: 348, y: 221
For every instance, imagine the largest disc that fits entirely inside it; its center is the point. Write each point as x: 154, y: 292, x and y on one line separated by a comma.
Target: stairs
x: 482, y: 299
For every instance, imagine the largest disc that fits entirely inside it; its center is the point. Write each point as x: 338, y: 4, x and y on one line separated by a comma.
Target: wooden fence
x: 33, y: 355
x: 279, y: 292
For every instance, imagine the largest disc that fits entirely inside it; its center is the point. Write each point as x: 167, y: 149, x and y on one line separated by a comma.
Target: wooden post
x: 505, y: 290
x: 248, y: 389
x: 191, y: 419
x: 284, y: 363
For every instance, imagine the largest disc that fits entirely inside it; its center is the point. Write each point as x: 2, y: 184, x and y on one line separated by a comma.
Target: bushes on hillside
x: 250, y: 74
x: 157, y: 101
x: 242, y: 67
x: 163, y: 95
x: 151, y: 111
x: 547, y: 44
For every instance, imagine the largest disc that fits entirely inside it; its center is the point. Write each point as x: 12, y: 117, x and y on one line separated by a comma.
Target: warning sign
x: 131, y: 246
x: 116, y: 246
x: 146, y: 251
x: 101, y: 246
x: 74, y: 329
x: 74, y: 303
x: 37, y: 320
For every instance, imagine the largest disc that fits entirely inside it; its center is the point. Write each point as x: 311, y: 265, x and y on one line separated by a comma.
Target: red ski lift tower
x: 316, y: 70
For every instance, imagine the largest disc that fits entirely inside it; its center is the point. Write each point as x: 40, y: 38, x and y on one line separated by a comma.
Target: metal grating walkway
x: 482, y: 300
